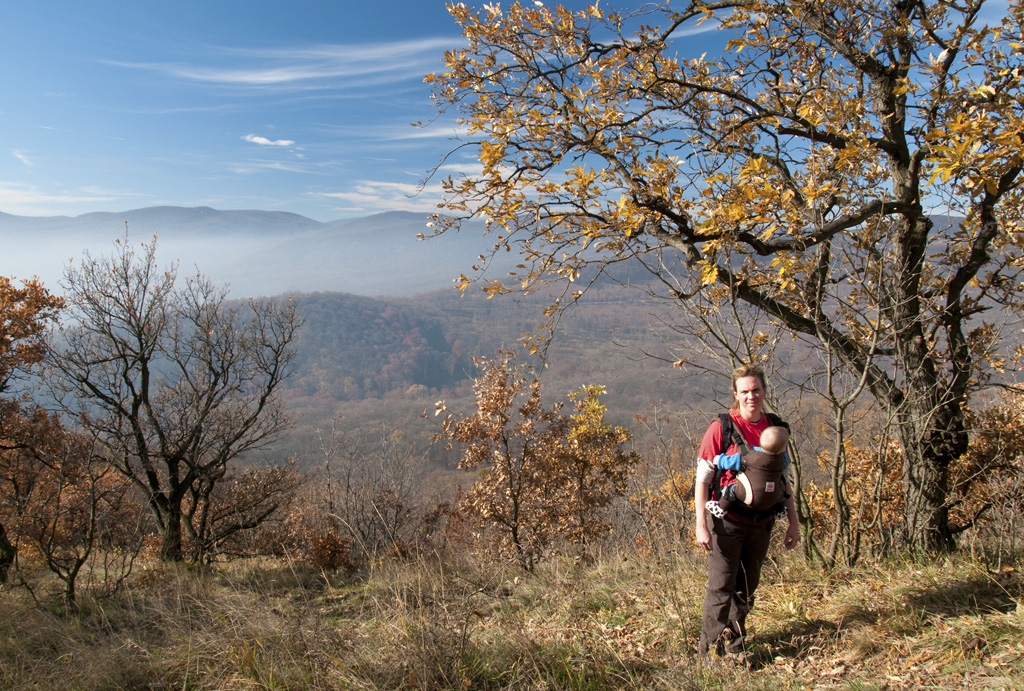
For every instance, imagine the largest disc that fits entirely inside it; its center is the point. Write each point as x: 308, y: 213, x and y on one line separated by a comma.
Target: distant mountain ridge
x: 177, y: 220
x: 263, y: 253
x: 255, y: 252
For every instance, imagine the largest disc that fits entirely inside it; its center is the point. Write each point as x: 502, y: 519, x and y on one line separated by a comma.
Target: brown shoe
x: 735, y: 637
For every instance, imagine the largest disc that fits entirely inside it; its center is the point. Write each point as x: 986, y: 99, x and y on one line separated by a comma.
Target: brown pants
x: 734, y: 570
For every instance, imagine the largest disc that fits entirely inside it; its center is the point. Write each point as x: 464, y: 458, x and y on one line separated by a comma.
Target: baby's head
x: 774, y: 439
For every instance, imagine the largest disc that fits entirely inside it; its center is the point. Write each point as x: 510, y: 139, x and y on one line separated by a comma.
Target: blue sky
x: 302, y: 106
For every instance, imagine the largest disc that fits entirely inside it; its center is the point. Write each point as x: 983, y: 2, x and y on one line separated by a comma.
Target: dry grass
x: 628, y: 623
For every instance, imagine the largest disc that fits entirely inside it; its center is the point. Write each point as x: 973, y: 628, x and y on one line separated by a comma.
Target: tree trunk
x: 7, y: 554
x: 930, y: 414
x: 933, y: 437
x: 170, y: 545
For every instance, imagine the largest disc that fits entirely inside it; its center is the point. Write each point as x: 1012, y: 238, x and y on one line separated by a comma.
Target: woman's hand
x: 793, y: 531
x: 703, y: 537
x: 792, y: 535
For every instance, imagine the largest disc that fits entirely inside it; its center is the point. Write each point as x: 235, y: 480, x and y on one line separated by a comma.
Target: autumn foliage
x: 25, y: 314
x: 64, y: 508
x: 858, y: 512
x: 542, y: 475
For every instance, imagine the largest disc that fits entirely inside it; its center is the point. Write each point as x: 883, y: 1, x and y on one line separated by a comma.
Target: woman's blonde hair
x: 746, y: 371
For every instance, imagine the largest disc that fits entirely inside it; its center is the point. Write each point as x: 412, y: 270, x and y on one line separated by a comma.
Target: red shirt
x: 711, y: 444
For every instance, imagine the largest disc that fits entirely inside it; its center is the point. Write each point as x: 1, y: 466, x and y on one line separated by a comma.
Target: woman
x: 736, y: 544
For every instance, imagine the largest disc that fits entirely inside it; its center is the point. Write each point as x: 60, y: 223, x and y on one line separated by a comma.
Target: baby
x: 772, y: 440
x: 765, y: 458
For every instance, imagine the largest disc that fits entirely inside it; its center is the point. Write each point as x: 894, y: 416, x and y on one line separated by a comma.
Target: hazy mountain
x: 264, y: 252
x: 255, y: 252
x: 376, y: 255
x: 176, y: 221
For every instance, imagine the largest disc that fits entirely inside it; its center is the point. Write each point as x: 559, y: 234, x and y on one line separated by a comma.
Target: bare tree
x: 366, y: 490
x: 173, y: 381
x: 220, y: 512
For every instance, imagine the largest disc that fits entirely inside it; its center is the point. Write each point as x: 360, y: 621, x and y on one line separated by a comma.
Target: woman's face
x: 750, y: 395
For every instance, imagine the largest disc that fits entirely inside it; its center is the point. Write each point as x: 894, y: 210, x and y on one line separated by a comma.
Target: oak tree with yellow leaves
x: 851, y: 169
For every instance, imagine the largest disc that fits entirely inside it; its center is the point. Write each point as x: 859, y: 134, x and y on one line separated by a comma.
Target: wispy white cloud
x: 80, y: 132
x: 23, y: 158
x: 177, y: 110
x: 474, y: 168
x: 250, y: 167
x: 301, y: 67
x: 697, y: 28
x: 397, y: 196
x: 423, y: 132
x: 21, y: 198
x: 263, y: 141
x: 426, y: 134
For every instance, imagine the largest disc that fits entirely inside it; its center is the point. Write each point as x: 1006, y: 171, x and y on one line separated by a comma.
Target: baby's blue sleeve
x: 731, y: 462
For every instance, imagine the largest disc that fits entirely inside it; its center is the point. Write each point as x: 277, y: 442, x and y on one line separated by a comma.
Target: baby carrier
x: 757, y: 491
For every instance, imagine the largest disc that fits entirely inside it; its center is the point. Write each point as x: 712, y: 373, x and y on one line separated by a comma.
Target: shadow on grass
x: 968, y: 597
x: 801, y: 637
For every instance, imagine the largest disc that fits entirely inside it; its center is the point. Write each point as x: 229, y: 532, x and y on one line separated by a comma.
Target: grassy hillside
x: 627, y: 622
